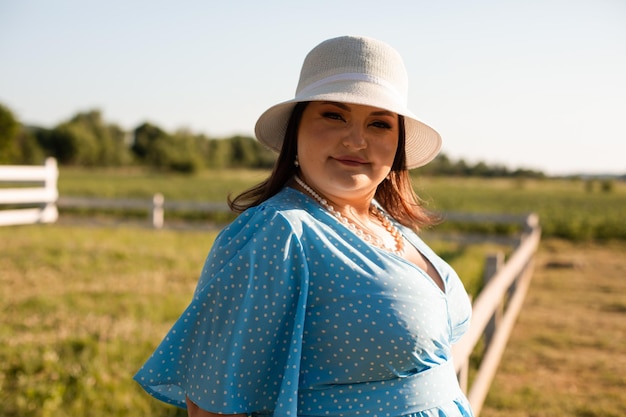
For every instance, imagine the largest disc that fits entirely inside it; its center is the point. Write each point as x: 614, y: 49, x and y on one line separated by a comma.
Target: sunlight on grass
x: 83, y: 307
x: 566, y: 354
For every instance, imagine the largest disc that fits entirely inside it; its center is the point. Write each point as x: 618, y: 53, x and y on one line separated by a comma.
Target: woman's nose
x: 355, y: 138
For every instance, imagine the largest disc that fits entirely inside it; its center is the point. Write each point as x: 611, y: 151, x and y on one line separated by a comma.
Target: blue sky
x: 539, y: 84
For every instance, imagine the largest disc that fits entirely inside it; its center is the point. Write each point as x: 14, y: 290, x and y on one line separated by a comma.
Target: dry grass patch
x: 566, y: 356
x: 81, y: 310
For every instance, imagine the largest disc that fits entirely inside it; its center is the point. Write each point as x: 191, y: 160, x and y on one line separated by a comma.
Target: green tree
x: 55, y: 143
x: 185, y: 153
x: 86, y: 140
x: 145, y: 137
x: 441, y: 165
x: 203, y: 148
x: 242, y: 152
x: 28, y: 148
x: 72, y: 144
x: 179, y: 152
x: 113, y: 146
x: 9, y: 129
x: 104, y: 143
x: 221, y: 153
x: 248, y: 152
x: 480, y: 170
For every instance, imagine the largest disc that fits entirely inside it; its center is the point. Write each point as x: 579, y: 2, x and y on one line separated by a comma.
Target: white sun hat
x: 356, y: 70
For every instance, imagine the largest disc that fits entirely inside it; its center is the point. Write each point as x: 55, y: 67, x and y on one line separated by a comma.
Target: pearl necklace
x: 359, y: 230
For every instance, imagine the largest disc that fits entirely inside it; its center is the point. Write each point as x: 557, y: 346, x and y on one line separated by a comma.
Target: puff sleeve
x: 237, y: 346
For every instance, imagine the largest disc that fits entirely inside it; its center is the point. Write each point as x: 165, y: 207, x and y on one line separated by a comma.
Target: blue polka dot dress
x: 295, y: 315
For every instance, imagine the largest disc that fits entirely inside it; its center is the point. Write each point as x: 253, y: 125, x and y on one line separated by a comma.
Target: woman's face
x: 346, y: 150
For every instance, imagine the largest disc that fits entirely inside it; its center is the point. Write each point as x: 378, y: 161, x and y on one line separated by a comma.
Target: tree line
x: 88, y: 140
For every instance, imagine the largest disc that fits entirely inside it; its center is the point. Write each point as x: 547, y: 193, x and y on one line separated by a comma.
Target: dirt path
x: 567, y: 353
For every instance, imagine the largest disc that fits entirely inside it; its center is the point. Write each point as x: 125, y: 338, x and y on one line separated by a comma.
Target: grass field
x: 566, y: 356
x: 570, y: 209
x: 84, y: 305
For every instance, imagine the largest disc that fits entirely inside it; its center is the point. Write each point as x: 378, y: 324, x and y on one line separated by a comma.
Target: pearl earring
x: 296, y: 163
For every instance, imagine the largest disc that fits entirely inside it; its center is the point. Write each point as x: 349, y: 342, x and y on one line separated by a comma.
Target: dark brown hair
x: 395, y: 194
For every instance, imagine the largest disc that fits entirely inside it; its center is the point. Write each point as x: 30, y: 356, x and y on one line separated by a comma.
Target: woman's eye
x: 381, y: 125
x: 334, y: 116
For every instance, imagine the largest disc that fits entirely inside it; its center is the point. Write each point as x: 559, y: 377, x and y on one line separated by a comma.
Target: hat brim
x: 423, y: 143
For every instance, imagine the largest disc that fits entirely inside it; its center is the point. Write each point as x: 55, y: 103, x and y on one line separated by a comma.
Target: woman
x: 320, y: 299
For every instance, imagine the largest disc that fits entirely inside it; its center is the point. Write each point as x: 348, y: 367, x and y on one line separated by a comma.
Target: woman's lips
x: 350, y: 160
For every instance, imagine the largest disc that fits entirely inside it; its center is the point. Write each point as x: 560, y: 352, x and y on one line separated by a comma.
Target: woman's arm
x: 194, y: 411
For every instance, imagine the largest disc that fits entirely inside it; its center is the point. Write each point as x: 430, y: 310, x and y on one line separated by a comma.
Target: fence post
x: 157, y: 210
x: 530, y: 224
x: 50, y: 213
x: 492, y: 264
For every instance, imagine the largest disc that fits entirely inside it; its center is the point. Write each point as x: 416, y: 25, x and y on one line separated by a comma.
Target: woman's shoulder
x: 286, y: 200
x: 284, y: 212
x: 265, y: 233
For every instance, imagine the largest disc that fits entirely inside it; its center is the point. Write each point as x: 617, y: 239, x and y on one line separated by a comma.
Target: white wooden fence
x: 28, y: 194
x: 495, y: 311
x: 155, y: 208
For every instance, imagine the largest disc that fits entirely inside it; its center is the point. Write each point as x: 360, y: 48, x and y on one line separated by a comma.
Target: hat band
x: 353, y: 77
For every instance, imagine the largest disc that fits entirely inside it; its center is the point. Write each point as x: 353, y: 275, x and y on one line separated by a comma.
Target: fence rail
x: 495, y: 311
x: 155, y: 207
x: 26, y: 204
